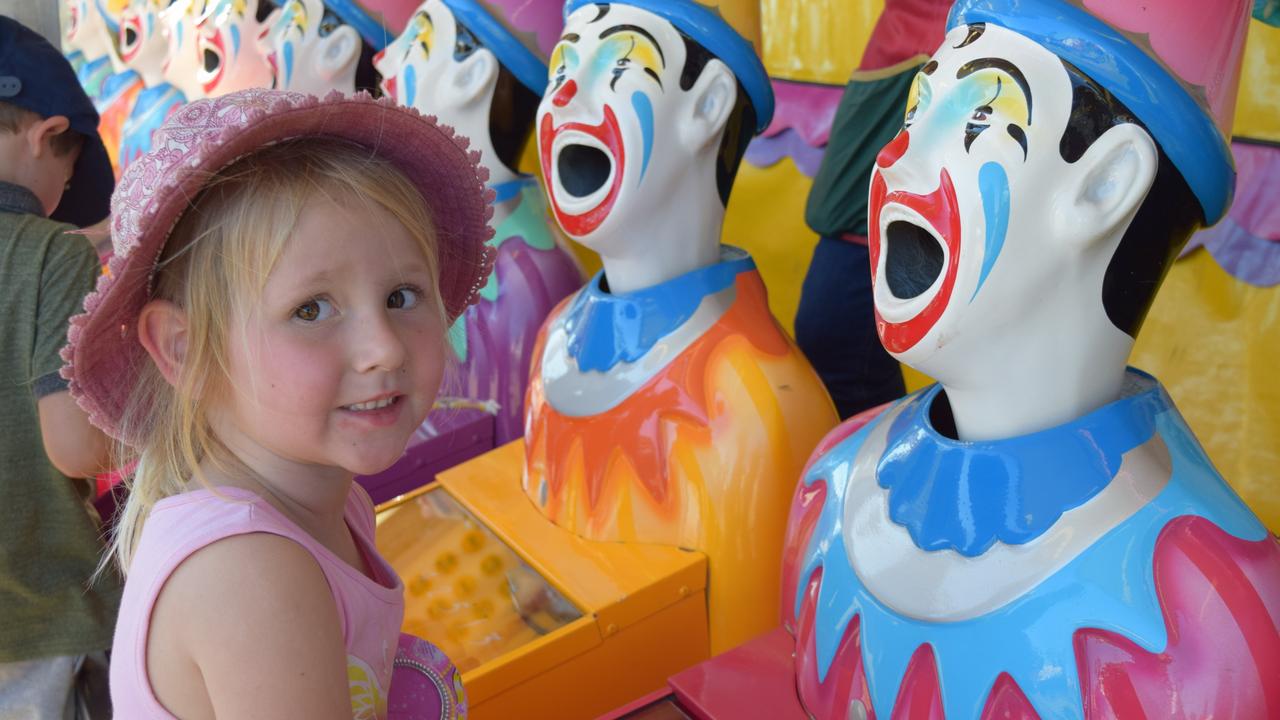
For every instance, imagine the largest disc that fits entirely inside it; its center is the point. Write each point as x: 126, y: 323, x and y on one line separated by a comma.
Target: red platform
x: 755, y: 680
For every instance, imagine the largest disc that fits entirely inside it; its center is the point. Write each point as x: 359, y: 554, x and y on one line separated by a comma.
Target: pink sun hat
x: 103, y: 354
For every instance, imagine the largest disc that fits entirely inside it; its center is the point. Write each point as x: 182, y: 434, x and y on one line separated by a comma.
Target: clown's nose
x: 565, y: 94
x: 894, y: 151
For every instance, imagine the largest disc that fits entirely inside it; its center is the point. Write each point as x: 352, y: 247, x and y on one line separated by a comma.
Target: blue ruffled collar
x: 966, y: 496
x: 605, y: 329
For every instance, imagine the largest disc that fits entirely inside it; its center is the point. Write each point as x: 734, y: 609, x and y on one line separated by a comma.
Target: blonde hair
x: 214, y: 265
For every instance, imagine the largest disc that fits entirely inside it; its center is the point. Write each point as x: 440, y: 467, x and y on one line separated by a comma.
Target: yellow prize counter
x: 541, y: 624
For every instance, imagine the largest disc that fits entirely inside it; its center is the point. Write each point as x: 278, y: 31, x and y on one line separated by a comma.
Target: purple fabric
x: 544, y: 19
x: 1246, y: 243
x: 448, y: 437
x: 765, y: 152
x: 425, y: 684
x: 805, y: 108
x: 501, y: 333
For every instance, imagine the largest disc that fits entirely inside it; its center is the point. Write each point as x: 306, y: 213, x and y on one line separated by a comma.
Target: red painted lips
x: 941, y: 210
x: 609, y: 135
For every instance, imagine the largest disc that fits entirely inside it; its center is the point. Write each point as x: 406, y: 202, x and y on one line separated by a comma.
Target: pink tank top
x: 371, y: 612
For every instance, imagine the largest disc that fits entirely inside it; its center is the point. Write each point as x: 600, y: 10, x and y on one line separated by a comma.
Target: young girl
x: 273, y: 322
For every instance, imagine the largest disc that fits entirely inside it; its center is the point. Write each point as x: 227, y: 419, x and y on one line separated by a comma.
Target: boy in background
x: 55, y: 624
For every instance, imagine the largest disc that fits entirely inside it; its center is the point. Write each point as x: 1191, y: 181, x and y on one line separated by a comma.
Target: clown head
x: 1021, y: 221
x: 226, y: 43
x: 142, y: 42
x: 91, y: 29
x: 648, y: 111
x: 479, y: 66
x: 315, y: 47
x: 182, y: 61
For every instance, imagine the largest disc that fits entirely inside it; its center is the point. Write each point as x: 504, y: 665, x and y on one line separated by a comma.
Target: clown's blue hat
x: 1174, y: 64
x: 723, y: 28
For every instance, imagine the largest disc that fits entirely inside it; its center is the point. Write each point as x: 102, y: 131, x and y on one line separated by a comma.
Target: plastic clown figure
x: 480, y: 67
x: 182, y: 61
x: 666, y: 405
x: 88, y: 43
x: 92, y: 29
x: 1039, y: 534
x: 316, y: 47
x: 143, y: 48
x: 226, y: 33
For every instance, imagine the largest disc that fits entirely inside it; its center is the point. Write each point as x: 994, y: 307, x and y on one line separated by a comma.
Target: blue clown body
x: 972, y: 499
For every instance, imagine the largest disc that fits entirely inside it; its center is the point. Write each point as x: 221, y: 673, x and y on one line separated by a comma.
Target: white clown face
x: 87, y: 30
x: 609, y: 121
x: 422, y: 69
x: 413, y: 63
x: 966, y: 200
x: 310, y: 50
x: 182, y: 59
x: 226, y: 43
x: 142, y: 42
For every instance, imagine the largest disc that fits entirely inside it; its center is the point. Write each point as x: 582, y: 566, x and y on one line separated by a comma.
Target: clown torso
x: 494, y: 339
x: 116, y: 103
x: 1094, y: 570
x: 677, y: 415
x: 150, y: 108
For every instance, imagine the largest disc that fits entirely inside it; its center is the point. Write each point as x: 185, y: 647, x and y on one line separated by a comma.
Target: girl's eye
x: 402, y: 299
x: 911, y: 116
x: 314, y: 310
x: 982, y: 114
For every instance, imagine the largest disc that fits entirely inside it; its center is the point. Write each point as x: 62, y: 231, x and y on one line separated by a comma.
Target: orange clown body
x: 702, y: 454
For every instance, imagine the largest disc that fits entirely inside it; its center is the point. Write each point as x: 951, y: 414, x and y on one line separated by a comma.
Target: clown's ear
x: 340, y: 52
x: 475, y: 77
x: 708, y: 106
x: 1107, y: 185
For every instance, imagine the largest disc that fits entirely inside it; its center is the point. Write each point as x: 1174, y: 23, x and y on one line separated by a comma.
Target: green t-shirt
x: 49, y: 535
x: 869, y: 116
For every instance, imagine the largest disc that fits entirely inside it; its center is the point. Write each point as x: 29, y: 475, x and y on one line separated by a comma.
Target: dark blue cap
x: 36, y: 77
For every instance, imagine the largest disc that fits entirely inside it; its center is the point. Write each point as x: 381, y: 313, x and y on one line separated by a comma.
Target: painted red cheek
x: 894, y: 151
x: 565, y: 94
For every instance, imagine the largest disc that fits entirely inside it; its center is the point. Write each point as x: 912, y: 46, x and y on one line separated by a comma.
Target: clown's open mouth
x: 212, y: 61
x: 582, y: 169
x: 913, y: 259
x: 583, y: 165
x: 915, y: 248
x: 130, y: 38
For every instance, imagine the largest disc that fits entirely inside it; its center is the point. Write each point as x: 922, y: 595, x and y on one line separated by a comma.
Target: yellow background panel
x: 1213, y: 341
x: 1258, y: 106
x: 816, y: 40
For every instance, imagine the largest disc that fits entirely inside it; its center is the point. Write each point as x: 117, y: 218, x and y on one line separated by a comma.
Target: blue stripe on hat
x: 527, y: 67
x: 719, y: 38
x: 1185, y: 131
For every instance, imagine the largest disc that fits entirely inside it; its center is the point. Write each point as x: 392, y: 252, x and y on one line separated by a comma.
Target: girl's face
x: 341, y: 360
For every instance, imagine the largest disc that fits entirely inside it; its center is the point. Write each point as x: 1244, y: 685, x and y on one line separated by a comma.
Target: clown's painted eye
x: 917, y: 97
x: 981, y: 115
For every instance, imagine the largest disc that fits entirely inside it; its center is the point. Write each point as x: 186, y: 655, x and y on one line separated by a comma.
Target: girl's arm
x: 247, y: 628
